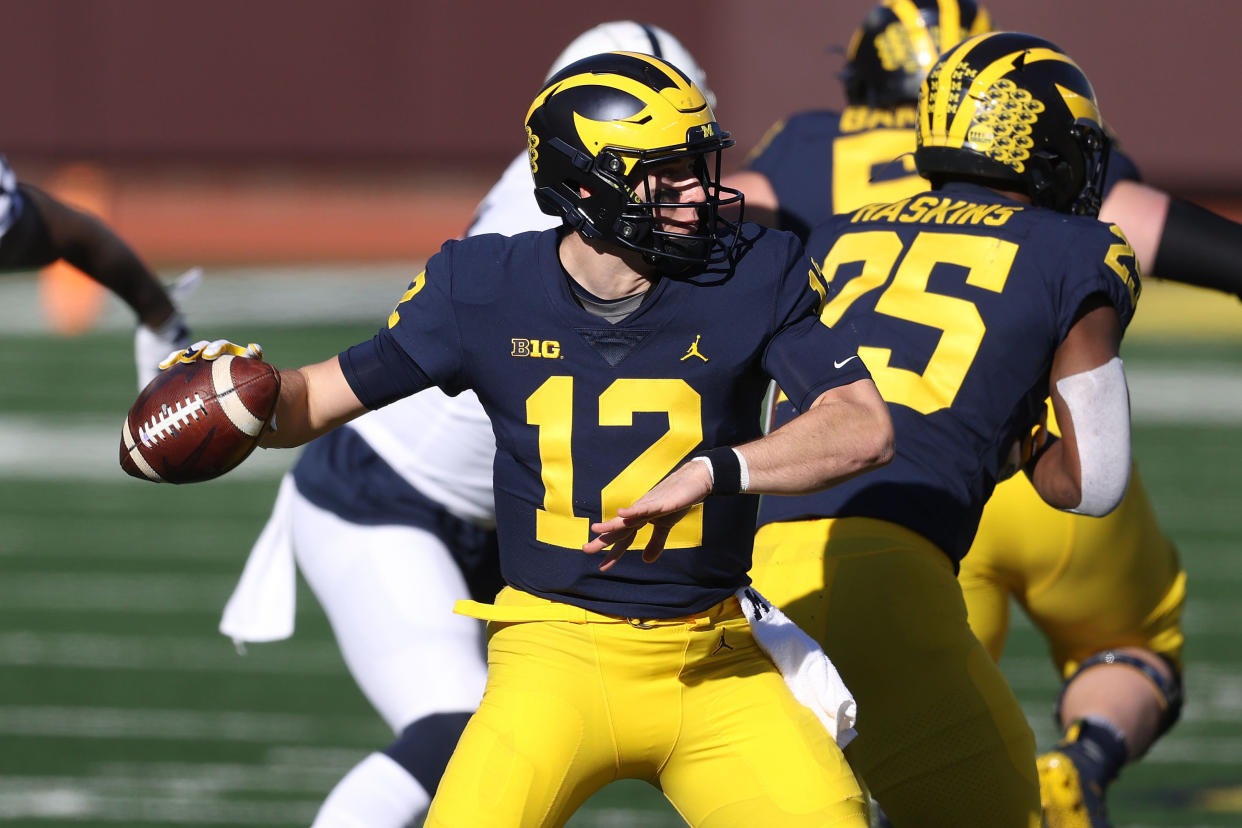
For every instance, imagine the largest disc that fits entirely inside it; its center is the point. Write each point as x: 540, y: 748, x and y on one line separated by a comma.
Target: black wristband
x: 1199, y: 247
x: 726, y: 470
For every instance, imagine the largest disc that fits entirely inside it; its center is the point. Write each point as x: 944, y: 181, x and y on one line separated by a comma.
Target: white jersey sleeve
x: 441, y: 445
x: 509, y: 206
x: 448, y: 455
x: 8, y: 197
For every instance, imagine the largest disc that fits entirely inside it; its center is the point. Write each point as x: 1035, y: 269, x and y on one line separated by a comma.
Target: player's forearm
x: 93, y: 248
x: 1055, y: 476
x: 1199, y: 247
x: 846, y: 432
x: 313, y: 400
x: 1176, y: 240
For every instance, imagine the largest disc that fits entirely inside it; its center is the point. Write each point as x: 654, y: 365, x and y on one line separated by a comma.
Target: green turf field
x: 121, y: 705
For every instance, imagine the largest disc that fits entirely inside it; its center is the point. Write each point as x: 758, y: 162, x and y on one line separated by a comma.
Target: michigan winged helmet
x: 596, y: 130
x: 1014, y: 112
x: 899, y: 40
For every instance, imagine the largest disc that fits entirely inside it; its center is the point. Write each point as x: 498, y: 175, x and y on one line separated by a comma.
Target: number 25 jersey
x: 589, y: 415
x: 957, y: 300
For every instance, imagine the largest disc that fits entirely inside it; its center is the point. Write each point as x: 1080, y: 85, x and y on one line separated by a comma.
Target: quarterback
x: 391, y: 525
x: 606, y: 665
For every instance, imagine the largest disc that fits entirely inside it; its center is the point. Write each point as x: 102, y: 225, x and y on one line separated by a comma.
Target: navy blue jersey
x: 823, y: 162
x: 588, y: 415
x: 957, y: 300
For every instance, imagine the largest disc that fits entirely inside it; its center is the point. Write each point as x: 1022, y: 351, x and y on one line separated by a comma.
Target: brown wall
x: 312, y: 129
x: 439, y: 81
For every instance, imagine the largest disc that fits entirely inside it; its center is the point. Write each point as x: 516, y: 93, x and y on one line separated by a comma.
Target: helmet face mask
x: 890, y: 54
x: 1011, y: 111
x: 598, y: 133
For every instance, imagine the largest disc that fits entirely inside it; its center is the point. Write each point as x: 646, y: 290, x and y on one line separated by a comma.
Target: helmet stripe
x: 950, y: 24
x: 938, y: 119
x: 989, y: 75
x: 916, y: 27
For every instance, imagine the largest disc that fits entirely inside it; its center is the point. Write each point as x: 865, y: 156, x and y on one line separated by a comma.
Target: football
x: 197, y: 420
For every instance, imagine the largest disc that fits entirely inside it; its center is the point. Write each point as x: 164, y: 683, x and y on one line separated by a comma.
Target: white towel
x: 806, y: 668
x: 264, y: 601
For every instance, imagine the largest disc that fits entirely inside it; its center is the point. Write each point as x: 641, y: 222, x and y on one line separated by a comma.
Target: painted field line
x: 176, y: 725
x: 107, y: 592
x: 92, y: 651
x: 55, y: 448
x: 75, y: 448
x: 245, y: 295
x: 183, y: 779
x: 72, y: 803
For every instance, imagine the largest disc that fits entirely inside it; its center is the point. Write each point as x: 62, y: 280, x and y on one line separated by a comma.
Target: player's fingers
x: 184, y: 354
x: 616, y: 524
x: 618, y: 549
x: 607, y: 538
x: 655, y: 546
x: 218, y: 347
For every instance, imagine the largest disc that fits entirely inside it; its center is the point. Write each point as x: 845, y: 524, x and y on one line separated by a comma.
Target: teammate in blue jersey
x: 622, y: 359
x: 1107, y: 593
x: 36, y: 229
x: 970, y: 303
x: 391, y: 525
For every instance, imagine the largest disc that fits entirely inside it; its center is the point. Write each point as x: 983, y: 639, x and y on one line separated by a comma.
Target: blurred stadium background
x: 311, y: 155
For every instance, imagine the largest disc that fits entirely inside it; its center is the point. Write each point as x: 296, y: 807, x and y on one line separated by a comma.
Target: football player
x: 1107, y: 592
x: 390, y: 525
x: 970, y: 303
x: 622, y: 358
x: 37, y: 229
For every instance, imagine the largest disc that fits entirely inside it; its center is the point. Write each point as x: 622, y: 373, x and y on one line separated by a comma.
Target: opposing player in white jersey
x: 390, y: 526
x: 36, y: 229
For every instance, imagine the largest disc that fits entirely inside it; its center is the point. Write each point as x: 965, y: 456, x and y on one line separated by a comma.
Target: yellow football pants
x: 941, y: 738
x: 1089, y: 584
x: 575, y: 700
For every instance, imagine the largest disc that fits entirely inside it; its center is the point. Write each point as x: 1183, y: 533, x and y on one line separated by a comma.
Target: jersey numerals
x: 550, y: 408
x: 854, y: 158
x: 988, y: 262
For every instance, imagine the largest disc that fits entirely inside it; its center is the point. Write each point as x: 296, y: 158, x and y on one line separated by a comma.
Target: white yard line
x: 166, y: 654
x: 284, y: 295
x: 179, y: 725
x: 77, y: 448
x: 70, y: 801
x: 61, y: 448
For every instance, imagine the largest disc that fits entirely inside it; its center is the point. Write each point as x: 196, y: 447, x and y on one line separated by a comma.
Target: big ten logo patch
x: 538, y: 348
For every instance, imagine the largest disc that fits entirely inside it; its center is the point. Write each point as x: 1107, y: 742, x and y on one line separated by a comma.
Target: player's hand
x: 205, y: 349
x: 1026, y: 448
x: 666, y: 503
x: 150, y: 344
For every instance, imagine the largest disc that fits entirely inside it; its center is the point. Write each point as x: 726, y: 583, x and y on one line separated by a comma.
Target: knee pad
x: 1169, y: 689
x: 425, y: 746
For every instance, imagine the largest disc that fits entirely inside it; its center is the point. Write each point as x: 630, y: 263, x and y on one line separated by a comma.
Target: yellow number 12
x: 551, y: 409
